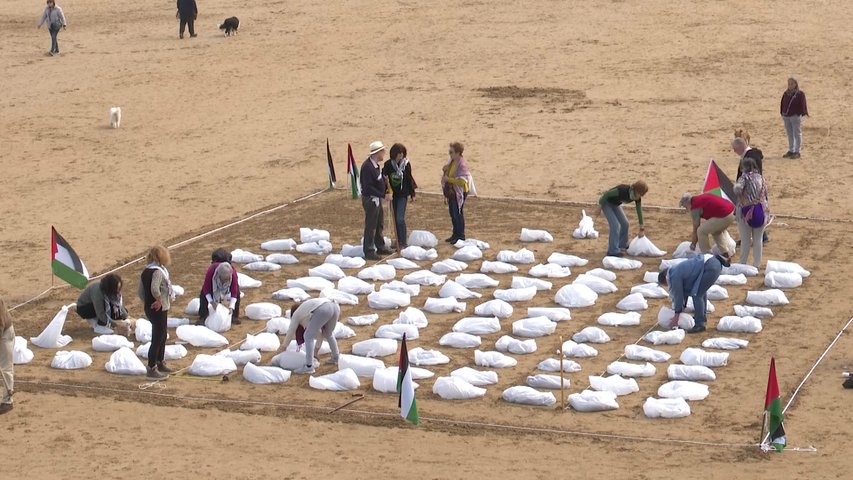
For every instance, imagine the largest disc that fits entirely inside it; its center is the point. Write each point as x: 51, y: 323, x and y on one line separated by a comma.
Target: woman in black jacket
x: 398, y: 171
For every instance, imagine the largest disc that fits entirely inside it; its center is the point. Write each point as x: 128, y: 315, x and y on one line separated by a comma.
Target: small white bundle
x: 73, y: 360
x: 683, y: 389
x: 586, y: 227
x: 308, y: 284
x: 199, y: 336
x: 633, y: 302
x: 416, y: 253
x: 522, y: 256
x: 467, y: 254
x: 245, y: 256
x: 592, y: 401
x: 388, y: 299
x: 264, y: 341
x: 494, y: 308
x: 697, y: 356
x: 750, y: 311
x: 725, y: 343
x: 515, y: 294
x: 524, y: 282
x: 402, y: 263
x: 219, y: 320
x: 142, y: 331
x: 265, y: 375
x: 355, y: 286
x: 566, y: 260
x: 342, y: 380
x: 20, y: 353
x: 631, y: 369
x: 477, y: 280
x: 575, y: 296
x: 740, y: 269
x: 124, y: 362
x: 281, y: 245
x: 444, y: 305
x: 419, y: 356
x: 476, y: 377
x: 528, y: 235
x: 381, y: 272
x: 412, y: 316
x: 355, y: 251
x: 578, y: 350
x: 782, y: 280
x: 308, y: 235
x: 385, y: 380
x: 666, y: 314
x: 328, y: 271
x: 668, y: 337
x: 397, y: 331
x: 650, y: 290
x: 528, y: 396
x: 683, y: 250
x: 614, y: 383
x: 651, y: 277
x: 785, y: 267
x: 262, y: 311
x: 732, y: 323
x: 456, y: 388
x: 646, y: 354
x: 602, y: 273
x: 513, y: 345
x: 597, y: 284
x: 666, y: 408
x: 212, y: 365
x: 315, y: 248
x: 459, y: 340
x: 453, y: 289
x: 690, y: 308
x: 553, y: 365
x: 643, y: 247
x: 291, y: 294
x: 472, y: 242
x: 282, y: 259
x: 192, y: 308
x: 361, y: 320
x: 497, y: 267
x: 478, y: 325
x: 339, y: 297
x: 288, y: 360
x: 172, y: 352
x: 425, y: 278
x: 614, y: 319
x: 555, y: 314
x: 242, y: 357
x: 342, y: 331
x: 591, y: 335
x: 362, y: 366
x: 400, y: 286
x: 422, y: 238
x: 731, y: 280
x: 549, y: 270
x: 175, y: 322
x: 262, y: 266
x: 667, y: 264
x: 696, y: 373
x: 375, y: 347
x: 620, y: 263
x: 493, y: 359
x: 278, y: 325
x: 110, y: 343
x: 543, y: 380
x: 717, y: 292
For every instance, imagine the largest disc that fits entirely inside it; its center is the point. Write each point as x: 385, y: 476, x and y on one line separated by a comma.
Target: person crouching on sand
x: 101, y: 304
x: 220, y: 285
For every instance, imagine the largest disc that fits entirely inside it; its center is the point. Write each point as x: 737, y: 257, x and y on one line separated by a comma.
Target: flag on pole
x: 65, y: 263
x: 406, y: 388
x: 332, y: 178
x: 717, y: 183
x: 773, y: 407
x: 352, y: 170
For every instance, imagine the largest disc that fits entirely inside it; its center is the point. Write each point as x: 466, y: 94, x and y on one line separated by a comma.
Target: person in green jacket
x: 611, y: 203
x: 102, y: 306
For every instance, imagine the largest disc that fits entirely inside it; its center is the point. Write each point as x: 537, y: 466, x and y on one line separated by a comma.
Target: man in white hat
x: 374, y: 188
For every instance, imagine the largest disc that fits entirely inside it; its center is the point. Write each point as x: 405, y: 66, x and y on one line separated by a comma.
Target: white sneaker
x: 103, y: 330
x: 305, y: 370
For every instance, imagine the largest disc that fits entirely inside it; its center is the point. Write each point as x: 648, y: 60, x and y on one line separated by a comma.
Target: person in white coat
x: 315, y: 316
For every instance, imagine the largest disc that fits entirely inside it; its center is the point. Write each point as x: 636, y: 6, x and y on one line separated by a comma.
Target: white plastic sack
x: 328, y: 271
x: 565, y: 260
x: 544, y: 380
x: 478, y: 378
x: 586, y: 227
x: 666, y: 408
x: 695, y: 373
x: 456, y: 388
x: 308, y: 235
x: 494, y: 308
x: 289, y: 360
x: 731, y: 280
x: 592, y: 401
x: 402, y: 264
x: 643, y: 247
x: 533, y: 327
x: 515, y: 294
x: 740, y: 269
x: 400, y: 286
x: 173, y: 322
x: 614, y: 383
x: 667, y: 264
x: 646, y: 354
x: 478, y: 325
x: 355, y: 251
x: 549, y: 270
x: 775, y: 266
x: 631, y: 369
x: 448, y: 266
x: 690, y: 308
x: 575, y: 296
x: 522, y: 256
x: 219, y: 320
x: 553, y: 365
x: 244, y: 281
x: 597, y: 284
x: 142, y: 331
x: 683, y: 250
x: 342, y: 262
x: 281, y: 245
x: 412, y: 316
x: 241, y: 357
x: 524, y: 282
x: 315, y: 248
x: 555, y: 314
x: 782, y: 280
x: 381, y: 272
x: 20, y: 353
x: 459, y: 340
x: 697, y: 356
x: 291, y: 294
x: 683, y: 389
x: 397, y: 331
x: 264, y: 341
x: 424, y: 277
x: 621, y: 263
x: 766, y: 298
x: 750, y: 311
x: 212, y: 365
x: 717, y: 292
x: 422, y: 238
x: 578, y: 350
x: 110, y: 343
x: 51, y: 336
x: 339, y: 297
x: 73, y: 360
x: 591, y: 335
x: 171, y: 352
x: 416, y: 253
x: 443, y: 305
x: 199, y: 336
x: 477, y: 280
x: 177, y: 290
x: 633, y: 302
x: 497, y: 267
x: 665, y: 314
x: 362, y: 366
x: 264, y: 375
x: 341, y: 380
x: 124, y: 362
x: 245, y: 256
x: 342, y: 331
x: 528, y: 235
x: 513, y: 345
x: 308, y: 284
x: 668, y: 337
x: 262, y: 266
x: 651, y: 277
x: 602, y: 273
x: 388, y: 299
x: 493, y: 359
x: 419, y: 356
x: 355, y: 286
x: 472, y: 242
x: 385, y: 380
x: 725, y: 343
x: 650, y: 290
x: 614, y: 319
x: 282, y: 259
x: 528, y: 396
x: 262, y: 311
x: 192, y: 307
x: 453, y: 289
x: 375, y: 347
x: 467, y: 254
x: 747, y: 324
x: 361, y: 320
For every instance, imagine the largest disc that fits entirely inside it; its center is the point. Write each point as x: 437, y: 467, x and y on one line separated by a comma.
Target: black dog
x: 230, y: 26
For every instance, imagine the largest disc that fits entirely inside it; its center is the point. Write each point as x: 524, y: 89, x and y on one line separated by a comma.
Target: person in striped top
x: 610, y: 203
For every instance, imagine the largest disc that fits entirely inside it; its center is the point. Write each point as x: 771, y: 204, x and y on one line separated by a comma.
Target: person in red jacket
x: 718, y: 214
x: 220, y: 284
x: 793, y: 107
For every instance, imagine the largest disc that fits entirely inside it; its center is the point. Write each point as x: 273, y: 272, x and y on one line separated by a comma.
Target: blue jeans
x: 700, y: 301
x: 794, y: 129
x: 618, y: 224
x: 399, y: 206
x: 457, y: 216
x: 54, y: 45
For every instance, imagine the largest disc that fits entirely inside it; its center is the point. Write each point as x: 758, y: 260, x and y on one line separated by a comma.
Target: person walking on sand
x: 374, y: 189
x: 398, y: 171
x: 718, y: 214
x: 610, y: 203
x: 55, y: 19
x: 312, y: 318
x: 691, y: 279
x: 187, y: 13
x: 155, y: 290
x: 793, y: 107
x: 455, y: 185
x: 7, y: 367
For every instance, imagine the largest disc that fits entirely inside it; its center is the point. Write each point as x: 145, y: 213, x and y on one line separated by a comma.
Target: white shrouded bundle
x: 575, y: 296
x: 211, y: 365
x: 614, y: 319
x: 467, y: 254
x: 477, y: 280
x: 544, y: 380
x: 555, y: 314
x: 308, y: 284
x: 355, y: 286
x: 339, y: 297
x: 459, y: 340
x: 110, y: 343
x: 355, y: 251
x: 690, y: 308
x: 731, y: 323
x: 697, y: 356
x: 192, y: 307
x: 443, y: 305
x: 396, y: 332
x: 739, y: 279
x: 785, y: 267
x: 362, y: 366
x: 20, y: 353
x: 586, y: 227
x: 740, y: 269
x: 668, y: 337
x: 477, y: 378
x: 478, y: 325
x: 448, y: 266
x: 278, y: 325
x: 549, y: 270
x: 565, y: 260
x: 294, y: 347
x: 315, y: 248
x: 124, y: 362
x: 172, y: 352
x: 264, y: 341
x: 422, y: 238
x: 750, y: 311
x: 725, y: 343
x: 631, y: 369
x: 73, y: 360
x: 666, y: 408
x: 602, y: 273
x: 513, y: 345
x: 291, y: 294
x: 578, y: 350
x: 242, y: 357
x: 618, y: 263
x: 199, y: 336
x: 308, y: 235
x: 666, y: 314
x: 614, y: 383
x: 388, y: 299
x: 281, y: 245
x: 782, y: 280
x: 633, y: 302
x: 328, y: 271
x: 522, y: 256
x: 340, y: 381
x: 425, y: 277
x: 553, y: 365
x: 419, y: 356
x: 262, y: 266
x: 683, y: 250
x: 497, y: 267
x: 288, y: 360
x: 262, y: 311
x: 494, y: 308
x: 175, y: 322
x: 245, y: 256
x: 282, y: 259
x: 667, y: 264
x: 650, y: 290
x: 695, y: 373
x: 417, y: 373
x: 717, y: 292
x: 528, y: 235
x: 597, y: 284
x: 375, y: 347
x: 515, y: 294
x: 456, y: 388
x: 265, y: 375
x: 342, y: 331
x: 472, y: 242
x: 533, y: 327
x: 591, y: 335
x: 361, y: 320
x: 453, y: 289
x: 591, y: 401
x: 385, y: 380
x: 683, y: 389
x: 646, y: 354
x: 416, y: 253
x: 380, y: 272
x: 643, y: 247
x: 51, y: 336
x: 219, y: 320
x: 142, y: 331
x: 402, y: 264
x: 524, y: 282
x: 525, y: 395
x: 651, y: 277
x: 412, y: 289
x: 412, y: 316
x: 493, y: 359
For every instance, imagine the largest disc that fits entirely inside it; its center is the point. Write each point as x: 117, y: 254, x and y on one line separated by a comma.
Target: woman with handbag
x: 55, y: 21
x: 751, y: 191
x: 455, y: 185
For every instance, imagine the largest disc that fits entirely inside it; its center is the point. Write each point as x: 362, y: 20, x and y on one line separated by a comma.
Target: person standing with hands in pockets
x: 793, y: 107
x: 55, y: 19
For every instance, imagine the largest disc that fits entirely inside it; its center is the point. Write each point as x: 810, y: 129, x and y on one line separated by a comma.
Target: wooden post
x: 395, y: 242
x: 562, y: 393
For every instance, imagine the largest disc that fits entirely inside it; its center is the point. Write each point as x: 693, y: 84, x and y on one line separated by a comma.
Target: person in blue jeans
x: 398, y: 171
x: 692, y: 278
x: 55, y: 19
x: 610, y: 203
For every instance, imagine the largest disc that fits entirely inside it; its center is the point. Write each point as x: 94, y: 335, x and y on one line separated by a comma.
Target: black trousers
x: 203, y: 311
x: 187, y: 22
x: 374, y: 224
x: 157, y: 351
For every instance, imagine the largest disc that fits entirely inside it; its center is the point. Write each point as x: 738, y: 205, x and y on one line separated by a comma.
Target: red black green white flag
x: 773, y: 407
x: 65, y: 263
x: 332, y: 177
x: 352, y: 170
x: 406, y: 387
x: 717, y: 183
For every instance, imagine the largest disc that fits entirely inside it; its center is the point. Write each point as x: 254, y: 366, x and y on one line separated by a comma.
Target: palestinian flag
x: 405, y: 387
x: 717, y: 183
x: 352, y: 170
x: 65, y: 263
x: 773, y: 407
x: 332, y: 178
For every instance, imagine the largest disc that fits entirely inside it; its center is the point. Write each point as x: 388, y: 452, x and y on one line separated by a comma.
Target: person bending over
x: 692, y: 278
x: 220, y: 285
x: 315, y: 316
x: 611, y: 203
x: 101, y: 304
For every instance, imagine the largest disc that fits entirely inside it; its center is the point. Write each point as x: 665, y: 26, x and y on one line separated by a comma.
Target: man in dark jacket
x: 187, y: 12
x: 374, y: 190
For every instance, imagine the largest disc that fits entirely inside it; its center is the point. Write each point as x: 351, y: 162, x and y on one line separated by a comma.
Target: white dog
x: 115, y: 117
